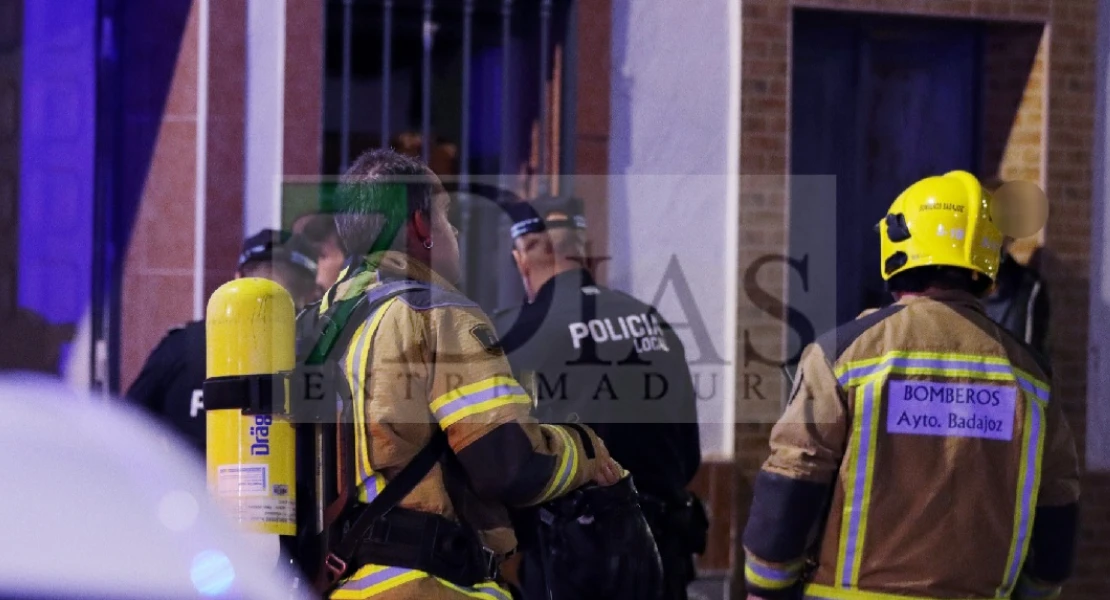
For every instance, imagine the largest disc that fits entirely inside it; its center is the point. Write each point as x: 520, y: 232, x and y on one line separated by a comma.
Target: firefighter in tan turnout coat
x: 427, y: 360
x: 922, y: 454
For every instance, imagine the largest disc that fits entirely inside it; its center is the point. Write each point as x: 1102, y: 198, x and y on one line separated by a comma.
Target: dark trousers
x: 678, y: 568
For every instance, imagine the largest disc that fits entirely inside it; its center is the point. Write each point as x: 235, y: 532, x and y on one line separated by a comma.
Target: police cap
x: 546, y: 213
x: 272, y: 244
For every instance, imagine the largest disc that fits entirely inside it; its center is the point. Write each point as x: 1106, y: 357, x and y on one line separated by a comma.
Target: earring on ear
x: 428, y: 243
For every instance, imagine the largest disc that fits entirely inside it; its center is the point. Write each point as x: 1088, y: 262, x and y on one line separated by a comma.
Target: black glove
x: 595, y: 543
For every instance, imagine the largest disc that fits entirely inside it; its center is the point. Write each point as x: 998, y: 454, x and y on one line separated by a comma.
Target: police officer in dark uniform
x: 598, y: 356
x: 170, y: 382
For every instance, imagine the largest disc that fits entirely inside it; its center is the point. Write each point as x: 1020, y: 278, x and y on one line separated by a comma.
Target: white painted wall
x: 1098, y: 358
x: 674, y: 156
x: 265, y: 114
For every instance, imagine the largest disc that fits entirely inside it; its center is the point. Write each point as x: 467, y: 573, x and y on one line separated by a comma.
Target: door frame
x: 859, y: 27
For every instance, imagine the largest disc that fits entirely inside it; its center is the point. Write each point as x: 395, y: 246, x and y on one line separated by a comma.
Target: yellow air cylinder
x: 251, y: 458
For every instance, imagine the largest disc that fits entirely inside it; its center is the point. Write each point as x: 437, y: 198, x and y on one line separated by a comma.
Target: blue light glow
x: 56, y: 171
x: 212, y: 573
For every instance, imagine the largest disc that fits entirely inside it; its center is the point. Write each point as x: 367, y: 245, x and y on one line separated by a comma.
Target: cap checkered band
x: 532, y: 225
x: 267, y: 252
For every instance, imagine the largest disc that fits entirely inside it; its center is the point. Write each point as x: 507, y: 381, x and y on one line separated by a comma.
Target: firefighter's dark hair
x: 377, y: 195
x: 919, y: 279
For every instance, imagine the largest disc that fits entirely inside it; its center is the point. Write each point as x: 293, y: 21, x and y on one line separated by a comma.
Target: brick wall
x: 591, y: 122
x: 161, y: 109
x: 1070, y: 128
x: 159, y: 160
x: 226, y: 128
x: 1014, y: 59
x: 1023, y: 137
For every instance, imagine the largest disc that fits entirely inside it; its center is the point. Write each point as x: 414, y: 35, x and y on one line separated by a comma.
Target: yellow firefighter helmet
x: 941, y: 221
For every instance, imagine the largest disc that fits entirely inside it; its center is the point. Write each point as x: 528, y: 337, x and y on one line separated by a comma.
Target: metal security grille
x: 479, y: 89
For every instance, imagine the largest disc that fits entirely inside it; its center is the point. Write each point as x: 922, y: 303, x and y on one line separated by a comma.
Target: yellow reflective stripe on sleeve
x: 483, y: 591
x: 771, y: 577
x: 477, y: 398
x: 567, y: 467
x: 1029, y: 483
x: 857, y: 500
x: 472, y: 388
x: 814, y: 591
x: 372, y: 580
x: 371, y: 487
x: 356, y: 369
x: 571, y: 471
x: 843, y: 368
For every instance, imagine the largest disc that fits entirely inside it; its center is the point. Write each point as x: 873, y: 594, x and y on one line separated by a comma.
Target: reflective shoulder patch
x: 487, y: 339
x: 969, y: 410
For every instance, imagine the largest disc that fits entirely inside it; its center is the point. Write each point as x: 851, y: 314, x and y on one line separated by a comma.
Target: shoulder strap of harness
x: 341, y: 554
x: 196, y: 354
x: 334, y: 331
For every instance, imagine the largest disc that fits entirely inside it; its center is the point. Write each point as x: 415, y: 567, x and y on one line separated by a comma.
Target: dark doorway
x: 877, y: 102
x: 499, y: 133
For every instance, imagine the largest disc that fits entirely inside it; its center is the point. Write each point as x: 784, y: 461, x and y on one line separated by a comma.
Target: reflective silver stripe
x: 1029, y: 312
x: 355, y: 369
x: 269, y: 253
x: 303, y: 261
x: 1029, y: 479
